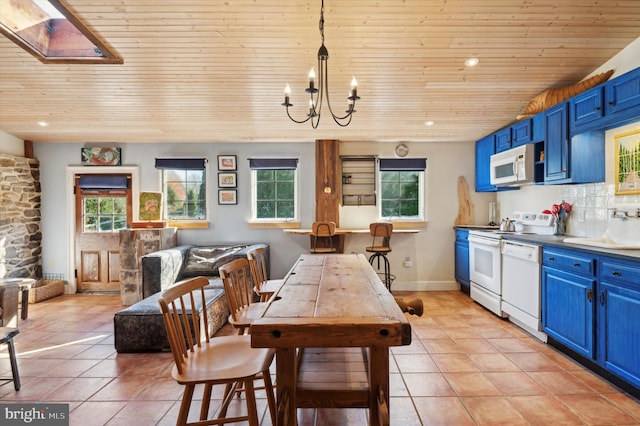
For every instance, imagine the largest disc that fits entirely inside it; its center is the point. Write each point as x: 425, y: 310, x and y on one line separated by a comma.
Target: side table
x: 25, y: 285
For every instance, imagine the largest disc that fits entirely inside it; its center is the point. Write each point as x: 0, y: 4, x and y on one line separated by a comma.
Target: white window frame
x: 190, y: 222
x: 422, y: 199
x: 296, y: 204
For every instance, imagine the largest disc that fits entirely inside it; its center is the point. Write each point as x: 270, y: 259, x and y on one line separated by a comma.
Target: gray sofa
x: 140, y: 328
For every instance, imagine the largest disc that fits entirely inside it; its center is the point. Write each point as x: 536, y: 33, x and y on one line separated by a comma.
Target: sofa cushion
x: 205, y: 261
x: 140, y: 327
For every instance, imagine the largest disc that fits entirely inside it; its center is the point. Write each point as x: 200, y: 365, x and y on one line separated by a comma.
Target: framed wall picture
x: 227, y: 162
x: 227, y: 196
x: 99, y: 156
x: 627, y: 165
x: 150, y: 205
x: 226, y: 180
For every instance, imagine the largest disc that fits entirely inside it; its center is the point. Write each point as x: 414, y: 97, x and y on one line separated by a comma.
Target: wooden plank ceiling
x: 214, y: 71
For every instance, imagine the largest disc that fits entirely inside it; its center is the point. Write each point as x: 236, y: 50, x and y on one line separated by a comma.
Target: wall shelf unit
x: 358, y: 180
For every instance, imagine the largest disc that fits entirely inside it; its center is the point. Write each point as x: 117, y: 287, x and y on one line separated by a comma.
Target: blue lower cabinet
x: 591, y: 305
x: 568, y: 309
x: 462, y: 259
x: 619, y: 319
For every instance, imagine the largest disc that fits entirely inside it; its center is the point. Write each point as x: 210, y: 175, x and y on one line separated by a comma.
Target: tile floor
x: 464, y: 367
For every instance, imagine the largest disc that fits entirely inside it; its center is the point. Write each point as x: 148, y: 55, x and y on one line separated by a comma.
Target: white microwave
x: 513, y: 167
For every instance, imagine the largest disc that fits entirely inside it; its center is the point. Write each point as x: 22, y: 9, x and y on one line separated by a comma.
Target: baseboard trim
x: 424, y: 285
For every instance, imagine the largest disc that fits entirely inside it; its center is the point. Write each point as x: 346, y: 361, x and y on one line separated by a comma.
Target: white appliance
x: 521, y: 294
x: 513, y: 167
x: 485, y: 269
x: 490, y: 280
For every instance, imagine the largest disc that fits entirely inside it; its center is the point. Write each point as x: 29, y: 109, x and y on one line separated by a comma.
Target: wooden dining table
x: 335, y: 309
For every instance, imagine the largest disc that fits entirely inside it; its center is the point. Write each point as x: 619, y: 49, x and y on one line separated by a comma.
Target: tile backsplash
x: 592, y: 214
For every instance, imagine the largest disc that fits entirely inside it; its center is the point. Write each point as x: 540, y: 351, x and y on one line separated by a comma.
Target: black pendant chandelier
x: 316, y: 95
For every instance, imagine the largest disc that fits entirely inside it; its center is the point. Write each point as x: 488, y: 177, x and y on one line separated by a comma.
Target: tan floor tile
x: 416, y: 363
x: 532, y: 361
x: 493, y: 362
x: 78, y: 389
x: 472, y: 346
x: 596, y: 410
x: 441, y: 346
x: 471, y: 384
x: 544, y: 410
x: 454, y: 362
x: 515, y: 383
x: 96, y: 413
x: 435, y: 411
x: 493, y: 410
x: 403, y: 413
x: 625, y: 402
x: 509, y: 345
x: 428, y: 384
x: 560, y: 382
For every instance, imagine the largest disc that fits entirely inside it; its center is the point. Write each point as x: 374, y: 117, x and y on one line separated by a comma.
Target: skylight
x: 53, y: 33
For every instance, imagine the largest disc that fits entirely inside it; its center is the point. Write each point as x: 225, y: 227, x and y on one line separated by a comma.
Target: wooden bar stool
x: 6, y: 336
x: 381, y: 233
x: 321, y: 232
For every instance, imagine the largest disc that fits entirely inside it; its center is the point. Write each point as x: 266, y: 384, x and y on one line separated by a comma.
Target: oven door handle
x: 484, y: 241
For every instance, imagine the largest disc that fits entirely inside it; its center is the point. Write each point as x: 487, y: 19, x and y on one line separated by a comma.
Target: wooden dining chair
x: 380, y: 247
x: 238, y: 289
x: 263, y: 286
x: 200, y: 359
x: 6, y: 336
x: 323, y: 232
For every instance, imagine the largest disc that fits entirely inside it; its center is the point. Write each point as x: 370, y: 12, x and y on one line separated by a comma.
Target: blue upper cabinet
x: 571, y: 159
x: 622, y: 95
x: 586, y: 109
x: 556, y: 145
x: 503, y: 139
x: 610, y: 104
x: 485, y: 148
x: 523, y: 132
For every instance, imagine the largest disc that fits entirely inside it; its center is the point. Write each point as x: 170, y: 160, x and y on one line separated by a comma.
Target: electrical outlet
x: 408, y: 263
x: 581, y: 216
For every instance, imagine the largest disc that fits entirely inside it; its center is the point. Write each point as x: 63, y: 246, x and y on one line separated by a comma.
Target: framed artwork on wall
x: 227, y: 162
x: 99, y: 156
x: 226, y: 180
x: 627, y: 163
x: 227, y: 196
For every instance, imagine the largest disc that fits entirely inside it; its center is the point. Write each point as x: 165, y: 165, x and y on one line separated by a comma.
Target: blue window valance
x: 103, y: 182
x: 273, y: 163
x: 181, y: 163
x: 403, y: 164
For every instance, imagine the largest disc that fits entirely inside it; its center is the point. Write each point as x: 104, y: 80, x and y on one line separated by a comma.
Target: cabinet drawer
x: 569, y: 261
x: 612, y: 270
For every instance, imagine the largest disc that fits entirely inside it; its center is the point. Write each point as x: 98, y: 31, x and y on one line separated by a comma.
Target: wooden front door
x: 100, y: 214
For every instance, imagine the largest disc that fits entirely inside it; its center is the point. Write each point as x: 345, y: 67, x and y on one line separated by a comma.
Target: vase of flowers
x: 559, y: 212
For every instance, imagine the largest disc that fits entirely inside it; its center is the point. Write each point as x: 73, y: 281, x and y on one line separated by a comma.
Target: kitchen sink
x: 603, y: 242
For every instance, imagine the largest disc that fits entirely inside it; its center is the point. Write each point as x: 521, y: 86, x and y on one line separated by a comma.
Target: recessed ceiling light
x: 471, y: 62
x: 429, y: 123
x: 43, y: 124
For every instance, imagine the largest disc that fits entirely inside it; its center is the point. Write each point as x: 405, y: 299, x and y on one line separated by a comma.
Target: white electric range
x: 505, y: 275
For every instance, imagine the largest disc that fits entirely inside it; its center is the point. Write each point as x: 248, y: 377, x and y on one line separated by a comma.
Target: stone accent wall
x: 135, y: 243
x: 20, y: 219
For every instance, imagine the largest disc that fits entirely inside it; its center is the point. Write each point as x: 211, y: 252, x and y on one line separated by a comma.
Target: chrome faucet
x: 623, y: 214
